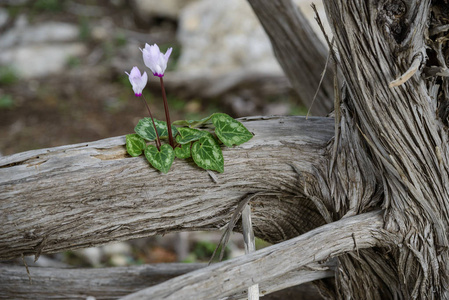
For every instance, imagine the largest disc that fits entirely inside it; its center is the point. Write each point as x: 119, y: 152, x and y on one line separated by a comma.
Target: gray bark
x: 330, y: 240
x: 113, y: 283
x: 395, y: 131
x: 93, y: 193
x: 391, y: 145
x: 102, y: 283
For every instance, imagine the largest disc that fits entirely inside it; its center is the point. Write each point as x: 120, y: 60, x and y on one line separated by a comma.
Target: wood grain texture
x: 397, y: 135
x: 220, y: 280
x: 90, y: 194
x: 113, y: 283
x: 102, y: 283
x: 299, y: 51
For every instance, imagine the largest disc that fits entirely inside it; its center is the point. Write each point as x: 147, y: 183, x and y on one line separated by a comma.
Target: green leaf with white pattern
x: 135, y: 144
x: 163, y: 131
x: 193, y: 123
x: 161, y: 160
x: 187, y: 135
x: 183, y: 151
x: 207, y: 154
x: 230, y: 131
x: 145, y: 129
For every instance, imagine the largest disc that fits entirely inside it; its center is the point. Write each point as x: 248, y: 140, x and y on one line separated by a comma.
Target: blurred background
x: 63, y: 81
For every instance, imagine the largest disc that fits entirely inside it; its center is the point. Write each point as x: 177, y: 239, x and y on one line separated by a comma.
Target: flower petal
x: 138, y: 81
x: 155, y: 60
x: 167, y: 54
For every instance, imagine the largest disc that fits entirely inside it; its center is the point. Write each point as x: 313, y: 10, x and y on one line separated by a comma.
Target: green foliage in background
x: 8, y: 75
x: 6, y: 101
x: 48, y: 5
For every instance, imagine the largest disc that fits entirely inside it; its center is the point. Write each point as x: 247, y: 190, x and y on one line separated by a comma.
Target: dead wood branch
x: 322, y: 243
x: 90, y: 194
x: 112, y: 283
x: 299, y: 51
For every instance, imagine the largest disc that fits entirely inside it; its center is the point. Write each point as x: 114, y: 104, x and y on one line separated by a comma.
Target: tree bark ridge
x: 402, y: 140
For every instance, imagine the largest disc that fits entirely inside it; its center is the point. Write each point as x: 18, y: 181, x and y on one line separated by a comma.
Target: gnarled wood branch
x: 90, y: 194
x: 330, y: 240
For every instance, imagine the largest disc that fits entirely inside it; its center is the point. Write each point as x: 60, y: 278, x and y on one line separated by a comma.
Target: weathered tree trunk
x: 391, y: 144
x: 395, y: 131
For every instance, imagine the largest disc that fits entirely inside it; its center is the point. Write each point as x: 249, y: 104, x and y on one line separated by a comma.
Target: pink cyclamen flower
x: 155, y: 60
x: 137, y: 80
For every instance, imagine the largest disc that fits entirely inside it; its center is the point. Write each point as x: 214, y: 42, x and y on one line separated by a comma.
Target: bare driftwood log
x: 113, y: 283
x: 299, y: 51
x: 90, y: 194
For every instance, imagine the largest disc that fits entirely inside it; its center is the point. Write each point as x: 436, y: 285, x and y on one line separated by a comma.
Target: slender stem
x: 167, y: 115
x: 158, y: 140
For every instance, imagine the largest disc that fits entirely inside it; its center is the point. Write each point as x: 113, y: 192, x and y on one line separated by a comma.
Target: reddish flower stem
x: 167, y: 115
x: 158, y: 140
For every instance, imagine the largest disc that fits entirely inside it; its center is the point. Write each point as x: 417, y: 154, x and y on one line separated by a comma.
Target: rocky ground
x: 62, y: 80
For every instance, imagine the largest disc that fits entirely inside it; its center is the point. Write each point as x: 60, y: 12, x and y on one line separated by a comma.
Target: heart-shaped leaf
x: 145, y: 129
x: 161, y: 160
x: 230, y: 131
x: 207, y: 154
x: 187, y: 135
x: 135, y: 144
x: 183, y: 151
x: 163, y: 131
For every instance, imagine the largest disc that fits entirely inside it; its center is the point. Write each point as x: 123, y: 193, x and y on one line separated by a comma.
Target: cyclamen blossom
x: 137, y: 80
x: 155, y: 60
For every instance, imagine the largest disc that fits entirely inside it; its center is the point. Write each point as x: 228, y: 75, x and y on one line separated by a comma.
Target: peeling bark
x: 392, y: 135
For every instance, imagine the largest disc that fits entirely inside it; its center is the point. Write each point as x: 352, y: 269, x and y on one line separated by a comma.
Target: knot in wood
x: 392, y: 19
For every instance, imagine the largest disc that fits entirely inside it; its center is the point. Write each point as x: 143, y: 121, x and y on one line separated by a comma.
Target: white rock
x: 93, y: 255
x: 118, y: 260
x: 117, y: 248
x: 40, y: 59
x: 38, y: 50
x: 158, y: 8
x: 221, y: 36
x: 44, y: 33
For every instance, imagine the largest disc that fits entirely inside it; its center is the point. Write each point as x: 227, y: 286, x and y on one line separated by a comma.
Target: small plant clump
x: 185, y: 139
